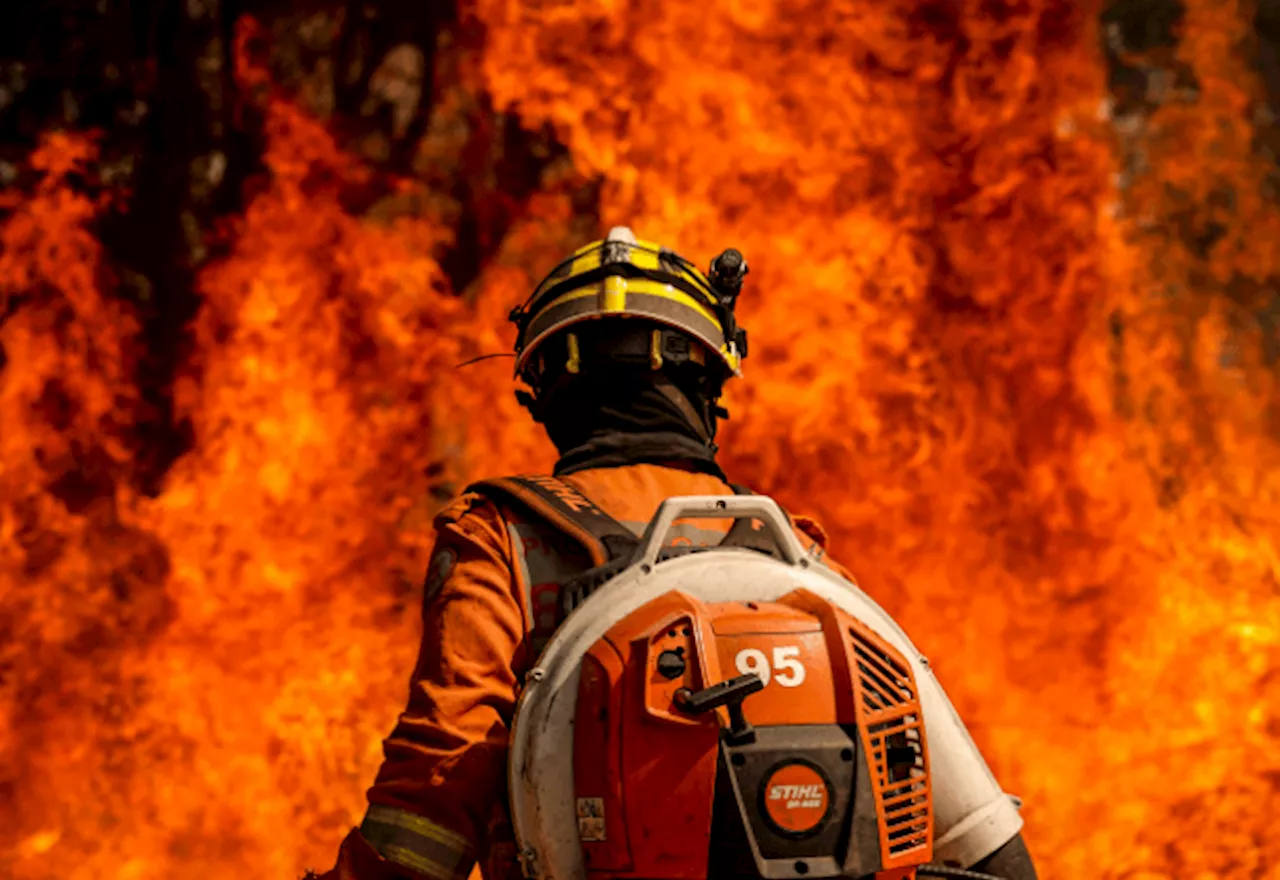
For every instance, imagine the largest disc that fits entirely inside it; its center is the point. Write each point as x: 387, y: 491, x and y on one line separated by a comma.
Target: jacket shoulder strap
x: 567, y: 510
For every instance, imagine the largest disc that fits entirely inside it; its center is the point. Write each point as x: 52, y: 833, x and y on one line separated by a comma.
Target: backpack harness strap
x: 568, y: 510
x: 610, y: 544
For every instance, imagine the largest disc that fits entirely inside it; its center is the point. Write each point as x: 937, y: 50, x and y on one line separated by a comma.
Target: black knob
x: 671, y: 663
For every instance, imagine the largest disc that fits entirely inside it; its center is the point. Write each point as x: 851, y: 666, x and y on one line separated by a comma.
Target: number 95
x: 786, y: 671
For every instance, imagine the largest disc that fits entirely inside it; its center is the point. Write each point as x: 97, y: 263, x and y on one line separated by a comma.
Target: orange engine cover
x: 822, y: 772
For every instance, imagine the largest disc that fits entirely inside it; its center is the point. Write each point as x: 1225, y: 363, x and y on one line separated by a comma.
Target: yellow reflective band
x: 580, y: 293
x: 418, y: 825
x: 675, y: 295
x: 645, y: 255
x: 642, y: 255
x: 589, y: 259
x: 408, y: 858
x: 417, y: 843
x: 613, y: 294
x: 637, y: 285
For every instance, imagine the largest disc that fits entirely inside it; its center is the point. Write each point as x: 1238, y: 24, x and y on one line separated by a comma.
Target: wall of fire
x: 1014, y: 320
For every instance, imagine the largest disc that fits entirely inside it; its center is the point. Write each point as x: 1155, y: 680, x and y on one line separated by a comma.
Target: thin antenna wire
x: 484, y: 357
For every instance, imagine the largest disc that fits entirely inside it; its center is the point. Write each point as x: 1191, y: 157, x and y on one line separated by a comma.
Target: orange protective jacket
x: 439, y: 803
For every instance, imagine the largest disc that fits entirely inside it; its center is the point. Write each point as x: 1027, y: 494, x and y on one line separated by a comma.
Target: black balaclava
x: 629, y: 414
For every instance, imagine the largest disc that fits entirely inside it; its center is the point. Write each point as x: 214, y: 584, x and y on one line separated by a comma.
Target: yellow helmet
x: 622, y: 277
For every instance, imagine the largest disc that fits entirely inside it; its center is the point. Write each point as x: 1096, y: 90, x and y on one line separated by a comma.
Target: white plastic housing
x: 973, y: 817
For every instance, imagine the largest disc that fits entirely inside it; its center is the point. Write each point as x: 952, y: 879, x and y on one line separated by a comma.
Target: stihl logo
x: 788, y: 792
x: 798, y: 797
x: 567, y: 496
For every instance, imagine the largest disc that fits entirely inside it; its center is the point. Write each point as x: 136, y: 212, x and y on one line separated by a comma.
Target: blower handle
x: 736, y: 507
x: 730, y: 694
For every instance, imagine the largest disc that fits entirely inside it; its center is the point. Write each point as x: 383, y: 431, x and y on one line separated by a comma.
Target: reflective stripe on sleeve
x: 417, y: 843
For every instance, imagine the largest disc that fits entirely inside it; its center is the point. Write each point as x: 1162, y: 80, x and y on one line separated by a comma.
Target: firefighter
x: 625, y: 348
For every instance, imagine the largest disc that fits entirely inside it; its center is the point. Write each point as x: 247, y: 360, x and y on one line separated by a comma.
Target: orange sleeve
x: 438, y: 802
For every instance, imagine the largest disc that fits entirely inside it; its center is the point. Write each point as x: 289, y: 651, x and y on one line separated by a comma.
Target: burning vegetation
x: 1014, y: 322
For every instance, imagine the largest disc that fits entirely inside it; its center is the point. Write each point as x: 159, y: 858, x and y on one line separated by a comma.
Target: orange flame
x: 1037, y: 422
